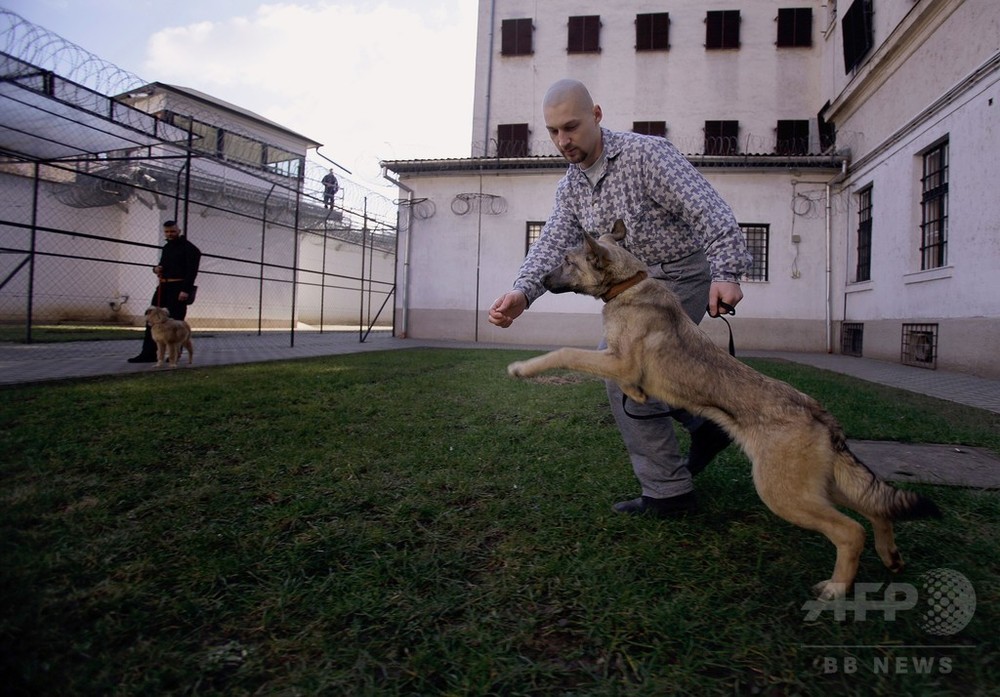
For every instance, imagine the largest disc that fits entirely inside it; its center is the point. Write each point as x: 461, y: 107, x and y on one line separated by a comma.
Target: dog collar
x: 619, y: 288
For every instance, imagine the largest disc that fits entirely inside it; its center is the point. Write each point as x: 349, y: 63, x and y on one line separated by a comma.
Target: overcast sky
x: 370, y: 79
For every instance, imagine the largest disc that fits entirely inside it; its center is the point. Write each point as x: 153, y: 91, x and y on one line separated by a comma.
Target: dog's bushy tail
x: 871, y: 496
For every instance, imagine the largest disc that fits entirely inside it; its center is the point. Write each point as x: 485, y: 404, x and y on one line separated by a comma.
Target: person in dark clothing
x: 177, y: 271
x: 330, y: 188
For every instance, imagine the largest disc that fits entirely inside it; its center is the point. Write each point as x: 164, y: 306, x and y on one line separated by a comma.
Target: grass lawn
x: 416, y: 523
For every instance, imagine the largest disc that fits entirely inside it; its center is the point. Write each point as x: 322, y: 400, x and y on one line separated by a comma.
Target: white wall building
x: 815, y: 120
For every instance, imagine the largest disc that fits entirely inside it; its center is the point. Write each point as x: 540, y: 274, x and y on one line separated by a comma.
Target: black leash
x: 728, y: 310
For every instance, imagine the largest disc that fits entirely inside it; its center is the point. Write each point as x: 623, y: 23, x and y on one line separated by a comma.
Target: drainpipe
x: 489, y: 81
x: 404, y: 296
x: 829, y: 254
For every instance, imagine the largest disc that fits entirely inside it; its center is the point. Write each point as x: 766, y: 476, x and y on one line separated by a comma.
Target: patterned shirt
x: 669, y: 209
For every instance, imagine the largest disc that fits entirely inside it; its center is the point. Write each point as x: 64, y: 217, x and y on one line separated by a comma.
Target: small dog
x: 802, y: 467
x: 169, y: 334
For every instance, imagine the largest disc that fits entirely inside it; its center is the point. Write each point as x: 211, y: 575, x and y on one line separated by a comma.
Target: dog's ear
x: 619, y: 230
x: 596, y: 254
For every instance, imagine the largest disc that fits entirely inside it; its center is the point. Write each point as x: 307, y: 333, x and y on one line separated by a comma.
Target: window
x: 533, y: 230
x: 827, y: 130
x: 722, y: 29
x: 515, y: 37
x: 204, y: 137
x: 795, y: 26
x: 863, y: 272
x: 852, y: 338
x: 652, y: 32
x: 934, y: 208
x: 722, y: 137
x: 758, y: 236
x: 237, y: 148
x: 584, y: 34
x: 793, y: 138
x: 650, y: 128
x: 919, y: 345
x: 512, y: 140
x: 858, y: 34
x: 282, y: 162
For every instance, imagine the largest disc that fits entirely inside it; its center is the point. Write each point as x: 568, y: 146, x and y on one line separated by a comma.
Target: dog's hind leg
x: 190, y: 349
x: 885, y: 544
x: 808, y: 506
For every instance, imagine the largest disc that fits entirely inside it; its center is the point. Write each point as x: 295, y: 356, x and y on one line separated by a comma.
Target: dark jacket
x: 180, y: 259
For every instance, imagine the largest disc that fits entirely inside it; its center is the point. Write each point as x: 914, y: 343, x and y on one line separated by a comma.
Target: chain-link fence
x: 92, y: 162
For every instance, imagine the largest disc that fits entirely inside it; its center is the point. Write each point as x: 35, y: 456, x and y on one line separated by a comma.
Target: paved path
x: 955, y: 387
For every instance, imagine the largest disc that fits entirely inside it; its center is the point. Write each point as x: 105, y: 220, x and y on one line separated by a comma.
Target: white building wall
x: 756, y: 84
x: 459, y: 264
x: 932, y: 73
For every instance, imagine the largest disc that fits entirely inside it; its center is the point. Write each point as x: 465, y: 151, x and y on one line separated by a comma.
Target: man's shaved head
x: 573, y: 121
x: 568, y: 91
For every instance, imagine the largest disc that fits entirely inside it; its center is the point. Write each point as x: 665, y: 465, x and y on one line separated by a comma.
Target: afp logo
x: 945, y: 599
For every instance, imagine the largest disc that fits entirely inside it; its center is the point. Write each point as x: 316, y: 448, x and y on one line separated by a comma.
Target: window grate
x: 852, y: 337
x: 919, y: 345
x: 863, y: 271
x: 758, y: 237
x: 532, y: 230
x: 934, y: 208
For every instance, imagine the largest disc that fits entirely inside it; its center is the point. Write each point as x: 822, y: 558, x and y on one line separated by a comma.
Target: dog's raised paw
x: 515, y: 370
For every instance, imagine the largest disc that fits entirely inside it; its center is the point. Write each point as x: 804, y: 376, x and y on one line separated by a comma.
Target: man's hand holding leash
x: 721, y: 294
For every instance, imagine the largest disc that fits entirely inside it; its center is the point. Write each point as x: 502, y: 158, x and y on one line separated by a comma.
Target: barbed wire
x: 42, y: 48
x: 746, y: 144
x: 488, y: 204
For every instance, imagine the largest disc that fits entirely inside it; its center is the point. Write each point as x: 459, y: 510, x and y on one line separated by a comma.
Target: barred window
x: 650, y: 128
x: 864, y: 267
x: 758, y: 237
x: 533, y: 230
x: 795, y: 26
x: 652, y: 31
x: 722, y: 29
x: 852, y: 339
x: 934, y: 208
x: 584, y: 34
x: 515, y: 37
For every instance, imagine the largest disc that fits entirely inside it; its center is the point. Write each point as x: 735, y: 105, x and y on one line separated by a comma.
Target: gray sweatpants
x: 652, y: 443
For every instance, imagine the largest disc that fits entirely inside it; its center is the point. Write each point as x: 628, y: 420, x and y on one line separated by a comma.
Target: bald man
x: 679, y: 226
